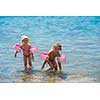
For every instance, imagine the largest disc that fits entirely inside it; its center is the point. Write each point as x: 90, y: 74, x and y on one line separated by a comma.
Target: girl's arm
x: 19, y: 50
x: 59, y: 65
x: 32, y: 56
x: 43, y: 65
x: 15, y: 54
x: 30, y: 47
x: 59, y: 62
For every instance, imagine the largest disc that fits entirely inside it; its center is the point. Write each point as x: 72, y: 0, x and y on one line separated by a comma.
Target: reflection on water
x: 54, y: 77
x: 38, y: 76
x: 27, y: 77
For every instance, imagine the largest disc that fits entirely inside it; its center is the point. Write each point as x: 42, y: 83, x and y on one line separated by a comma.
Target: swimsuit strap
x: 22, y: 48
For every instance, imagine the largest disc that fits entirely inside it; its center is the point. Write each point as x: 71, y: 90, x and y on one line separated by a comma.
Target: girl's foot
x: 25, y: 67
x: 25, y: 70
x: 51, y: 69
x: 55, y: 69
x: 30, y: 68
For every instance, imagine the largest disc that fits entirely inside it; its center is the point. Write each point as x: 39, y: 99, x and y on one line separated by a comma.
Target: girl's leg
x: 25, y: 62
x: 59, y: 65
x: 50, y: 64
x: 30, y: 61
x: 55, y: 65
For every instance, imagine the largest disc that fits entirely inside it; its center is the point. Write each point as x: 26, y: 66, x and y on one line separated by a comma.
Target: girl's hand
x: 32, y: 57
x: 15, y: 55
x: 42, y: 68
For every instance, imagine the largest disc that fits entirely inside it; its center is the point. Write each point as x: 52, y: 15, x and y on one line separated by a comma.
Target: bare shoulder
x: 30, y: 46
x: 51, y: 51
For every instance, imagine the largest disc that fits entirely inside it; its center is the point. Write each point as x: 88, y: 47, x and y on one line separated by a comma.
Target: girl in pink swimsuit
x: 27, y: 54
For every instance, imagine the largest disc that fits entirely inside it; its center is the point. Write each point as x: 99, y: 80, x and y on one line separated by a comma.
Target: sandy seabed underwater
x: 79, y: 36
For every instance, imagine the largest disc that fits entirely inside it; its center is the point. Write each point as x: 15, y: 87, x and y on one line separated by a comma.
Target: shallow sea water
x: 79, y: 36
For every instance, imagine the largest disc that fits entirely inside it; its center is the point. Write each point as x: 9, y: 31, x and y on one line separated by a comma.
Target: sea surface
x: 80, y: 39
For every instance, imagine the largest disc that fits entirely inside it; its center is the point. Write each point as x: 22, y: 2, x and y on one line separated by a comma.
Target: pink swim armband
x: 34, y: 49
x: 17, y: 47
x: 62, y: 58
x: 44, y: 55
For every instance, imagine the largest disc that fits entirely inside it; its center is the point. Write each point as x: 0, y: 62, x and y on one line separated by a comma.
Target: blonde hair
x: 57, y: 45
x: 25, y: 37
